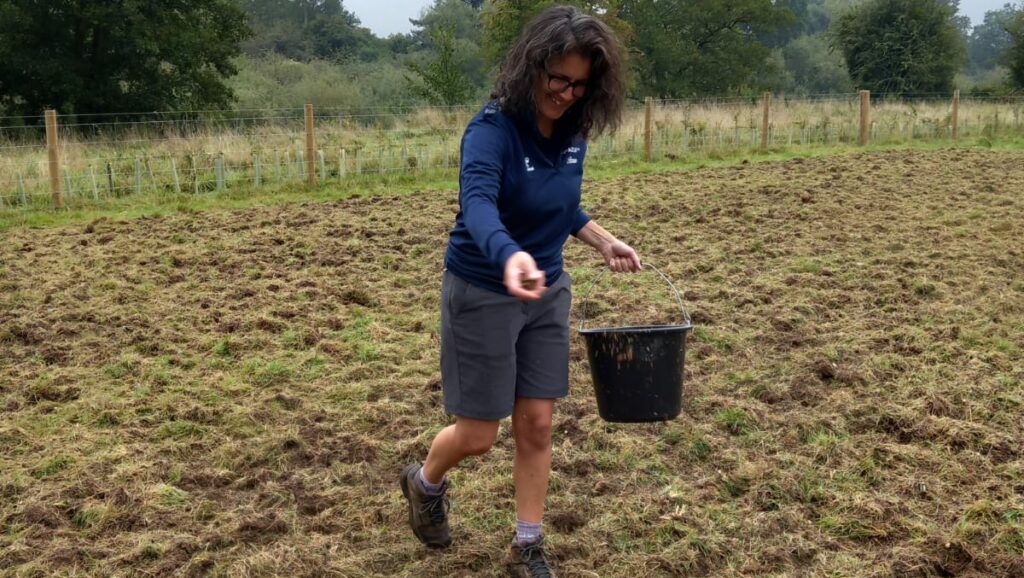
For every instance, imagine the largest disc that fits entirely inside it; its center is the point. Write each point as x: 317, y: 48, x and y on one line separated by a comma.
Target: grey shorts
x: 495, y: 348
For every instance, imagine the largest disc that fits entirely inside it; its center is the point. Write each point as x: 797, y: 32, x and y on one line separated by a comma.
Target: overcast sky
x: 976, y: 9
x: 386, y: 17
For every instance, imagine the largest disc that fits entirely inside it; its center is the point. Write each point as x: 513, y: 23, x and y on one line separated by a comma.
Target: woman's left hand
x: 620, y: 257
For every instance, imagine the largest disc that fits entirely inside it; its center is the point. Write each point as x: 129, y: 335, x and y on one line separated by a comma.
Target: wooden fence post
x: 92, y: 180
x: 110, y: 180
x: 310, y: 147
x: 647, y: 128
x: 767, y: 104
x: 174, y: 173
x: 52, y: 148
x: 865, y: 117
x: 956, y: 115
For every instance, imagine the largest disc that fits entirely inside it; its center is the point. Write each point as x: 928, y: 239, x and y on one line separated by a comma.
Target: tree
x: 308, y: 29
x: 441, y: 82
x: 815, y: 69
x: 461, y: 22
x: 808, y: 18
x: 82, y: 56
x: 1015, y: 55
x: 702, y: 47
x: 990, y: 40
x: 901, y: 46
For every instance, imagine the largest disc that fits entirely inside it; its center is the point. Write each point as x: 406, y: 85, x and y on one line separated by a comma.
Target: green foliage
x: 990, y: 40
x: 276, y: 81
x: 83, y: 57
x: 704, y: 47
x: 811, y: 68
x: 1015, y: 55
x: 901, y: 47
x: 440, y: 80
x: 457, y: 17
x: 307, y: 30
x: 461, y: 24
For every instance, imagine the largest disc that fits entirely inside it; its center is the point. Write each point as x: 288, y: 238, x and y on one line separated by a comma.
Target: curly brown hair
x: 555, y: 32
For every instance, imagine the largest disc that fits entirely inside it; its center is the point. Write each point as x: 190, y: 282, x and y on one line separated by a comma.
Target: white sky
x: 386, y: 17
x: 976, y: 9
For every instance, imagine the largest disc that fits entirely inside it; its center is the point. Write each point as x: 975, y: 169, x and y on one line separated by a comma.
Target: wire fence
x: 88, y: 160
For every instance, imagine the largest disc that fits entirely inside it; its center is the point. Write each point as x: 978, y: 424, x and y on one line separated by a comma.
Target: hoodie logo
x: 529, y: 167
x: 572, y: 160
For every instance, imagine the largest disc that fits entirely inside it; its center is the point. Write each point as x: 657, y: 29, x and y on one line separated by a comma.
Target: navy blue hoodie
x: 518, y: 191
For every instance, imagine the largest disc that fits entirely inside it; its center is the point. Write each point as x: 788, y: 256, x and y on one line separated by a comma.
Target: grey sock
x: 426, y: 486
x: 527, y: 532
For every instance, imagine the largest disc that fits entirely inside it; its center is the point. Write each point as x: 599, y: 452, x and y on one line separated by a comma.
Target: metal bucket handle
x: 679, y: 299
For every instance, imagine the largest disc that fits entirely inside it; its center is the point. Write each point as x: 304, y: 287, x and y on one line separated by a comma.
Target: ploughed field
x: 234, y: 393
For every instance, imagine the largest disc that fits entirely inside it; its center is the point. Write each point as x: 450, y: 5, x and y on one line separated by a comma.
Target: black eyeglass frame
x: 565, y: 83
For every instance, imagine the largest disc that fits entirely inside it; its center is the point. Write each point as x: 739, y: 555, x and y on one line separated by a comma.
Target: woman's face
x: 569, y: 73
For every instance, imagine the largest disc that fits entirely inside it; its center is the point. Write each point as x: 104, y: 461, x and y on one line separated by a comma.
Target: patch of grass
x: 805, y: 265
x: 264, y: 373
x: 699, y: 449
x: 672, y: 435
x: 1004, y: 345
x: 109, y: 419
x: 721, y: 341
x: 151, y: 551
x: 123, y: 367
x: 741, y: 377
x: 735, y: 420
x: 223, y: 348
x: 89, y: 517
x: 52, y: 467
x: 171, y: 496
x: 924, y: 288
x: 810, y: 489
x: 179, y: 430
x: 842, y: 525
x: 292, y: 339
x: 824, y: 439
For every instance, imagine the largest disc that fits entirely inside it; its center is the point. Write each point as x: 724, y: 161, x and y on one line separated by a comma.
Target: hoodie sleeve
x: 484, y: 154
x: 580, y: 221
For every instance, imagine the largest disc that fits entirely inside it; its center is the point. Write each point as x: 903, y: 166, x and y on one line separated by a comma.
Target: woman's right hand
x: 522, y: 277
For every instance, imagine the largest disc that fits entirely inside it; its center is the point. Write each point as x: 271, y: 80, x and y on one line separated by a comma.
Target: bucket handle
x: 679, y: 299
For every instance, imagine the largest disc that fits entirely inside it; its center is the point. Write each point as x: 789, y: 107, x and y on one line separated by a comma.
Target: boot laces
x: 535, y: 561
x: 436, y: 508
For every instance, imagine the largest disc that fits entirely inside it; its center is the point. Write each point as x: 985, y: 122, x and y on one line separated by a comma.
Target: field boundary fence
x: 56, y: 161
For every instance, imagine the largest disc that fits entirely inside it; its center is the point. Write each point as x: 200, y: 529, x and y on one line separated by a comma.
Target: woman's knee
x: 476, y: 437
x: 533, y: 430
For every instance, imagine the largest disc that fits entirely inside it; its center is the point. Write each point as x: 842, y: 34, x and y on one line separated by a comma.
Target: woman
x: 505, y: 299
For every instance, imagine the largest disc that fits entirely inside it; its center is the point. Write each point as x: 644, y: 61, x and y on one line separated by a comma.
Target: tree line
x: 86, y: 57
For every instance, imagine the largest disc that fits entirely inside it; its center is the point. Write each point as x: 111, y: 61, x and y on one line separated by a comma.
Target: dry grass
x: 155, y: 154
x: 233, y: 393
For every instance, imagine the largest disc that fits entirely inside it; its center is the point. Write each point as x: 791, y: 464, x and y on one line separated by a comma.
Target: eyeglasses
x: 558, y: 84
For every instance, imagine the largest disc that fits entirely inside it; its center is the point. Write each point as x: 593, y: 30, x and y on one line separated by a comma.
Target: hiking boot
x: 529, y: 561
x: 428, y: 515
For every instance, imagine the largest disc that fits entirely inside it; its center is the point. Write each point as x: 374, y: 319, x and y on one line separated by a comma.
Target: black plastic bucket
x: 638, y: 370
